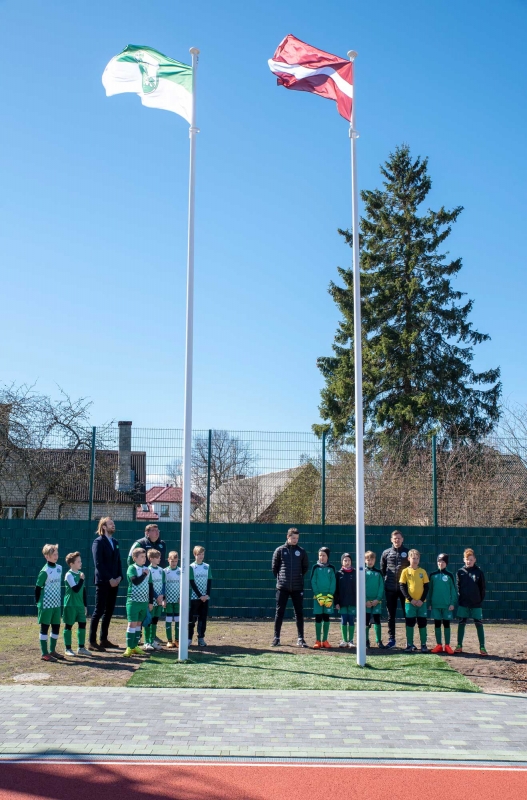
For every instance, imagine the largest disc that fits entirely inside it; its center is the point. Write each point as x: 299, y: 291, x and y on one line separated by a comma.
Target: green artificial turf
x: 284, y: 671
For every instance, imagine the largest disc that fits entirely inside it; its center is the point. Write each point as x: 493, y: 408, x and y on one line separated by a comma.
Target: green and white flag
x: 159, y: 81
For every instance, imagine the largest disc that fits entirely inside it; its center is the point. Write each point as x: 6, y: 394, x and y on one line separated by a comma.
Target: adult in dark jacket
x: 393, y: 561
x: 107, y: 577
x: 152, y: 538
x: 289, y: 565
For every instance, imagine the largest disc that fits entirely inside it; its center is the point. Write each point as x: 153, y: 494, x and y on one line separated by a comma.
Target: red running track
x: 286, y: 781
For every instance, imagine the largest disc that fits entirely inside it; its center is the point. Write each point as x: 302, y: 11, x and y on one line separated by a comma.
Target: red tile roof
x: 149, y: 516
x: 170, y: 494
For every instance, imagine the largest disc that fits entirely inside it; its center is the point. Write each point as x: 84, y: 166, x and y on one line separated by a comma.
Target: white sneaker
x: 69, y: 652
x: 81, y: 651
x: 202, y: 642
x: 343, y: 643
x: 148, y: 647
x: 157, y: 646
x: 350, y: 644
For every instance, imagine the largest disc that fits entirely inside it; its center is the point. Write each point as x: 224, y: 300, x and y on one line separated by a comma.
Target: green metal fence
x: 240, y: 556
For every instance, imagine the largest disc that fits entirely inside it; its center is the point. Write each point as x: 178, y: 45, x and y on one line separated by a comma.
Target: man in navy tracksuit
x: 290, y: 564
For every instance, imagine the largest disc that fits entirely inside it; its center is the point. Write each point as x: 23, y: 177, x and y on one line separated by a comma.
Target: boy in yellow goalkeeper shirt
x: 414, y: 585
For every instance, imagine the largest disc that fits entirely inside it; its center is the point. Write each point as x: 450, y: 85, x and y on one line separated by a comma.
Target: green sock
x: 352, y: 632
x: 168, y: 630
x: 325, y: 629
x: 377, y: 629
x: 344, y: 631
x: 481, y: 635
x: 409, y: 635
x: 67, y: 638
x: 438, y: 635
x: 130, y: 638
x: 44, y: 645
x: 81, y: 636
x: 318, y: 631
x: 52, y: 643
x: 460, y: 633
x: 447, y: 635
x: 422, y: 635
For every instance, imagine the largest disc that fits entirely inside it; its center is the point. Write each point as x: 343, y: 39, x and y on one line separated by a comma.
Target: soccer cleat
x: 482, y: 651
x: 128, y: 652
x: 317, y: 645
x: 301, y: 642
x: 171, y: 645
x: 148, y: 648
x: 159, y: 641
x: 326, y: 644
x: 47, y: 657
x: 201, y: 642
x: 156, y: 645
x: 137, y: 651
x: 81, y: 651
x: 343, y: 643
x: 391, y: 643
x: 69, y: 651
x: 276, y: 642
x: 437, y: 649
x: 424, y: 648
x: 176, y: 644
x: 458, y: 649
x: 381, y: 646
x: 350, y: 644
x: 410, y: 648
x: 449, y: 650
x: 58, y: 656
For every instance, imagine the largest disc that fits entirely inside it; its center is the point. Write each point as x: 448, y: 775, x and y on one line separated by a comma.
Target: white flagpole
x: 184, y: 598
x: 359, y: 422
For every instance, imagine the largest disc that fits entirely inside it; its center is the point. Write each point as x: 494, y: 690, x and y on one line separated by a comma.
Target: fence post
x: 209, y: 459
x: 434, y: 485
x: 323, y: 500
x: 92, y: 472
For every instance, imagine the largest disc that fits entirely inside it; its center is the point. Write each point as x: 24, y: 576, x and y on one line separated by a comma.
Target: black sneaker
x: 276, y: 642
x: 381, y: 646
x: 424, y: 648
x: 300, y: 642
x: 58, y: 656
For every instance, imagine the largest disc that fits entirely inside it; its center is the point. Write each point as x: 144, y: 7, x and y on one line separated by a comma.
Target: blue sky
x: 94, y: 195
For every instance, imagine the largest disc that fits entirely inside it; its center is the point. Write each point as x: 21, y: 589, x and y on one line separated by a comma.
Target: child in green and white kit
x: 75, y: 603
x: 172, y: 594
x: 374, y: 598
x: 158, y: 581
x: 47, y: 598
x: 323, y: 583
x: 139, y: 599
x: 442, y: 599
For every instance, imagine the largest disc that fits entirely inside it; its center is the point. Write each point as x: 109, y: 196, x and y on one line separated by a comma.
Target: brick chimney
x: 124, y: 473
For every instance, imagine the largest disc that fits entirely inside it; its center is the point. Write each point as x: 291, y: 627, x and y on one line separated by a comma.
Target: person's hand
x: 419, y: 603
x: 112, y: 582
x: 368, y: 603
x: 150, y: 606
x: 118, y: 581
x: 451, y: 608
x: 159, y: 600
x: 413, y: 602
x: 338, y: 607
x: 145, y: 570
x: 81, y: 575
x: 374, y: 603
x: 204, y: 598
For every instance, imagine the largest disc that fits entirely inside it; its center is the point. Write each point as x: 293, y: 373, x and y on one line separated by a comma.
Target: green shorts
x: 414, y: 611
x: 49, y: 616
x: 469, y: 613
x: 172, y: 610
x: 441, y: 613
x: 71, y: 615
x: 157, y: 612
x: 318, y: 609
x: 136, y: 612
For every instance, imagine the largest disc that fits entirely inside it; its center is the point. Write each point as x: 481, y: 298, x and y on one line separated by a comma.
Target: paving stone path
x: 241, y: 723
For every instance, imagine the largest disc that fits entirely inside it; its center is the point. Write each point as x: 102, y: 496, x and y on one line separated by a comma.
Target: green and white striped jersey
x: 139, y: 593
x: 172, y: 584
x: 49, y: 579
x: 158, y: 579
x: 200, y: 574
x: 73, y: 599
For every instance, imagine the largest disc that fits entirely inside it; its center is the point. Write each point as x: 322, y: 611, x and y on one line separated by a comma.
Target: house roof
x: 170, y: 494
x: 146, y: 516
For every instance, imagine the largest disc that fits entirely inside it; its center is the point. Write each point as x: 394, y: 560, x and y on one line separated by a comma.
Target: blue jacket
x: 106, y: 559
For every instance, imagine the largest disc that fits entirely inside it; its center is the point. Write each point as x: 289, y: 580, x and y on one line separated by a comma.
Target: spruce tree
x: 418, y: 342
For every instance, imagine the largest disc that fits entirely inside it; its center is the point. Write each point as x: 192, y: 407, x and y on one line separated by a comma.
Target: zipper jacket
x: 442, y: 592
x: 470, y: 582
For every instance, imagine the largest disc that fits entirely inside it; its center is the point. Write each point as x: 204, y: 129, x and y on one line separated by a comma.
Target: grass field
x: 287, y: 671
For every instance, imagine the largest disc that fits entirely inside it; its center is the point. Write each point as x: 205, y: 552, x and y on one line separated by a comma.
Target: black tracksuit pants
x: 282, y: 596
x: 392, y: 596
x: 198, y: 612
x: 105, y: 598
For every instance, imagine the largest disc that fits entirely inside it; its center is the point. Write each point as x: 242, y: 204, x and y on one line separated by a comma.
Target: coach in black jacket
x: 393, y: 561
x: 107, y: 577
x: 290, y: 564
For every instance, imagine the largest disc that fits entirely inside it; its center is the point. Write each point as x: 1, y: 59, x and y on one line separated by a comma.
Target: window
x: 165, y: 510
x: 14, y: 512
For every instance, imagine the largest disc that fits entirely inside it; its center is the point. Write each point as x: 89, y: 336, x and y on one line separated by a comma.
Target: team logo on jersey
x: 445, y: 578
x: 297, y: 552
x: 421, y: 575
x: 403, y: 555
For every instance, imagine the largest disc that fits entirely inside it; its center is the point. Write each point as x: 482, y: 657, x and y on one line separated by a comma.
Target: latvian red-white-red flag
x: 299, y: 66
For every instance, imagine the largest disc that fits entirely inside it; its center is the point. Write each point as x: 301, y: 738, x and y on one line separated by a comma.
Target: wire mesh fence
x: 260, y: 477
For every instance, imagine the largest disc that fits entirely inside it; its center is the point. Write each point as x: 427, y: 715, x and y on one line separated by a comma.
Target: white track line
x: 282, y: 765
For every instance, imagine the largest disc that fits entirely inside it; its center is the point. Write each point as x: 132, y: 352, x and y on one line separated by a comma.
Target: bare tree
x: 41, y: 440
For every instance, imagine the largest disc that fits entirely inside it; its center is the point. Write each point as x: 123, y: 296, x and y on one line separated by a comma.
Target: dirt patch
x: 504, y: 670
